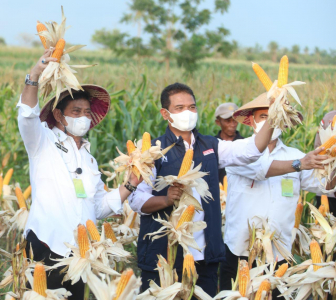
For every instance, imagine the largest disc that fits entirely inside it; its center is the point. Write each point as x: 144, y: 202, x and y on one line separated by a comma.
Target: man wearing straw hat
x: 66, y: 186
x: 268, y: 188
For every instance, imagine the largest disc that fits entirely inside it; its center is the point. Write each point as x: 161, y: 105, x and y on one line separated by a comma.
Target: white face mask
x: 78, y: 126
x: 184, y: 121
x: 276, y: 133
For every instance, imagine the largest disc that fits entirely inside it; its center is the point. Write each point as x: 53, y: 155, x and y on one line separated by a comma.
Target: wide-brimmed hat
x: 99, y: 100
x: 242, y: 115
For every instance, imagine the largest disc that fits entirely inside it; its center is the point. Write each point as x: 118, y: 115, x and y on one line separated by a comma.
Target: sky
x: 309, y: 23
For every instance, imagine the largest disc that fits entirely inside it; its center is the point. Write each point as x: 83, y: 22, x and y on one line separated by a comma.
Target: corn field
x: 134, y: 87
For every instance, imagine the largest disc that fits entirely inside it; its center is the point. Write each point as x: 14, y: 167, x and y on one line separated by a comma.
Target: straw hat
x: 242, y: 115
x: 99, y: 99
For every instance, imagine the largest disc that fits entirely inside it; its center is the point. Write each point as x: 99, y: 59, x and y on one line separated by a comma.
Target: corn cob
x: 264, y: 286
x: 263, y: 77
x: 322, y: 212
x: 133, y: 219
x: 23, y: 250
x: 109, y: 233
x: 5, y: 160
x: 8, y: 176
x: 186, y: 163
x: 58, y: 52
x: 189, y: 265
x: 146, y: 142
x: 243, y: 277
x: 93, y: 231
x: 221, y: 187
x: 330, y: 142
x: 130, y: 148
x: 325, y: 202
x: 20, y: 198
x: 333, y: 152
x: 83, y: 240
x: 41, y: 27
x: 281, y: 270
x: 225, y: 184
x: 298, y: 215
x: 283, y: 71
x: 27, y: 192
x: 124, y: 279
x: 187, y: 215
x: 333, y: 122
x: 316, y: 254
x: 1, y: 184
x: 105, y: 187
x: 40, y: 280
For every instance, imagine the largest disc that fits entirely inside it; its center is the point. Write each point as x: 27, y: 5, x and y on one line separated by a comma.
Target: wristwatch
x: 29, y: 82
x: 130, y: 187
x: 297, y: 165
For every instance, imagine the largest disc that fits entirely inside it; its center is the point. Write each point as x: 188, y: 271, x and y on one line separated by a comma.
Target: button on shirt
x: 229, y: 153
x: 56, y: 211
x: 251, y: 194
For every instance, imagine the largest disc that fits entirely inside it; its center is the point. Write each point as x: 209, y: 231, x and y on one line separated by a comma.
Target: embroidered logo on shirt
x: 164, y: 159
x: 207, y: 152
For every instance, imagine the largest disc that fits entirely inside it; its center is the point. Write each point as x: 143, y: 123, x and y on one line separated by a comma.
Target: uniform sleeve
x: 238, y: 152
x: 31, y: 128
x: 142, y: 194
x: 107, y: 203
x: 312, y: 184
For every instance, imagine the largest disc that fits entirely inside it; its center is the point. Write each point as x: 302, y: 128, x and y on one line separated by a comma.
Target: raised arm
x: 311, y: 160
x: 263, y: 137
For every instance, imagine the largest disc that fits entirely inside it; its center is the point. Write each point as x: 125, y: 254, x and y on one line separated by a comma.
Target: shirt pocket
x: 247, y: 186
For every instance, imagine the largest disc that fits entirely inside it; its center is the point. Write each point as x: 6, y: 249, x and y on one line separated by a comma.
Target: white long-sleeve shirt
x: 239, y: 152
x: 56, y: 211
x: 251, y: 194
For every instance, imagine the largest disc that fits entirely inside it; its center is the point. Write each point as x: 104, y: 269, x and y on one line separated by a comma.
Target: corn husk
x: 301, y: 240
x: 143, y: 161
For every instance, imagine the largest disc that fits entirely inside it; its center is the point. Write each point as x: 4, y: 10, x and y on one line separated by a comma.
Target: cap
x: 226, y: 110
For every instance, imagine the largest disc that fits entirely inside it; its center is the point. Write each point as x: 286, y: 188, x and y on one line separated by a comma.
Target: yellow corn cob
x: 281, y: 271
x: 8, y: 176
x: 316, y: 254
x: 20, y: 198
x: 325, y: 202
x: 27, y: 192
x: 264, y: 286
x: 23, y: 250
x: 322, y: 212
x: 333, y: 122
x: 263, y: 77
x: 146, y: 142
x: 298, y: 214
x: 333, y: 152
x: 283, y: 71
x: 243, y: 277
x: 40, y: 280
x: 5, y: 160
x: 109, y: 233
x: 225, y: 184
x: 93, y: 231
x: 187, y: 215
x: 41, y: 27
x: 330, y: 142
x: 133, y: 219
x: 83, y: 240
x: 189, y: 265
x: 124, y: 279
x: 186, y: 163
x: 58, y: 52
x: 1, y: 184
x: 130, y: 148
x: 105, y: 187
x: 221, y: 186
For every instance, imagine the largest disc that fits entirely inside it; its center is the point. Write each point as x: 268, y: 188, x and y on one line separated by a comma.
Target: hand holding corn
x: 174, y: 193
x: 313, y: 160
x: 37, y: 70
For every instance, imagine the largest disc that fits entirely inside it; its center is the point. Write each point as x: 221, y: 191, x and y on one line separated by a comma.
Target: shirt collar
x: 62, y: 137
x: 187, y: 146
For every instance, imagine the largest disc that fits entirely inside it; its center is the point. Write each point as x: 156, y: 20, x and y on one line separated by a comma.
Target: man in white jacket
x: 268, y: 188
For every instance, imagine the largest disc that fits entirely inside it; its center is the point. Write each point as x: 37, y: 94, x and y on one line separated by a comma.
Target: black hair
x: 62, y: 105
x: 173, y: 89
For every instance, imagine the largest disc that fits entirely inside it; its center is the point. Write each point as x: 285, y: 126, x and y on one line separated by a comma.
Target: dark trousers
x: 228, y: 270
x: 207, y: 277
x: 54, y: 279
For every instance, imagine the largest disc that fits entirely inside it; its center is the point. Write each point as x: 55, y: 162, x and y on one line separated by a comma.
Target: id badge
x: 287, y: 187
x: 79, y: 188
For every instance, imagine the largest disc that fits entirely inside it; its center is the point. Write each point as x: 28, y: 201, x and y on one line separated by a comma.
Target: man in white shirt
x: 252, y: 191
x: 66, y: 186
x: 180, y: 111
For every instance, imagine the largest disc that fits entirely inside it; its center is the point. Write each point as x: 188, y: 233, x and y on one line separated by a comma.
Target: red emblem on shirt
x: 207, y: 152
